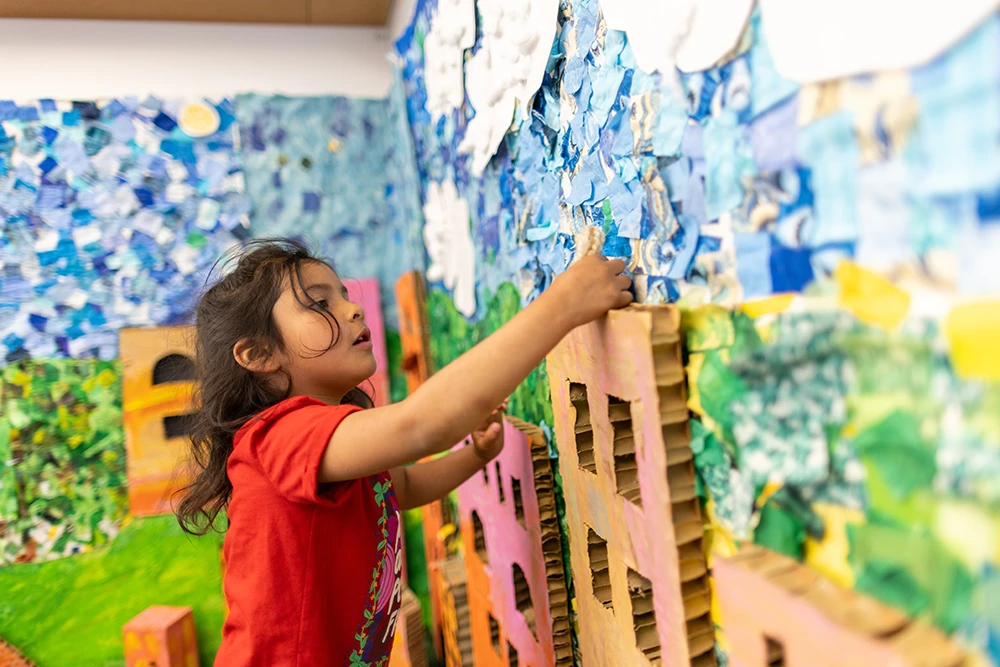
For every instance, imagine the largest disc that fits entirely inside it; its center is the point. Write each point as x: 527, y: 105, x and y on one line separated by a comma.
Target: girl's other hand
x: 591, y: 287
x: 487, y: 438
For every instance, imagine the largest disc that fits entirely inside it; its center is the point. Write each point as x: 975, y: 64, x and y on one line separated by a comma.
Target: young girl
x: 311, y: 476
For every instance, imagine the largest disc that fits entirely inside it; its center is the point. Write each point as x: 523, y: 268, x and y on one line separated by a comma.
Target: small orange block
x: 161, y: 636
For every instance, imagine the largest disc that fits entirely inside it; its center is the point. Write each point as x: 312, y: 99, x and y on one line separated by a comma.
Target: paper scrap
x: 816, y: 40
x: 753, y: 263
x: 449, y: 244
x: 872, y: 298
x: 506, y: 71
x: 692, y: 35
x: 453, y: 30
x: 769, y: 87
x: 728, y: 158
x: 883, y: 218
x: 829, y: 147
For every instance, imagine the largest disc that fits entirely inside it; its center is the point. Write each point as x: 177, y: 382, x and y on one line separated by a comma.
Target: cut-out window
x: 618, y: 411
x: 696, y: 597
x: 775, y: 652
x: 647, y: 638
x: 515, y: 487
x: 585, y: 451
x: 500, y: 483
x: 495, y: 634
x: 626, y: 467
x: 178, y: 426
x: 691, y: 561
x: 512, y: 659
x: 479, y: 536
x: 174, y: 368
x: 578, y: 397
x: 583, y: 428
x: 687, y: 521
x: 522, y: 597
x: 701, y: 634
x: 600, y: 574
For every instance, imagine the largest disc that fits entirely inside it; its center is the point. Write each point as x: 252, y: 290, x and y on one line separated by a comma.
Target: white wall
x: 82, y: 60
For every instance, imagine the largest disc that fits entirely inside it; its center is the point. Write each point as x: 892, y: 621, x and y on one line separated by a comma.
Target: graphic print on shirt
x: 376, y: 633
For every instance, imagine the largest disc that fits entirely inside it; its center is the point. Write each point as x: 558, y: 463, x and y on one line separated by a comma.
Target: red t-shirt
x: 312, y: 571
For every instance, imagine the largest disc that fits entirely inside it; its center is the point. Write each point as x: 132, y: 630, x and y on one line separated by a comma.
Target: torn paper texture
x: 453, y: 30
x: 692, y: 35
x: 817, y: 40
x: 449, y: 244
x: 506, y: 70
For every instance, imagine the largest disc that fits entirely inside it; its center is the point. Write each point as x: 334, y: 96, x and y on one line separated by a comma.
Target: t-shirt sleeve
x: 290, y: 449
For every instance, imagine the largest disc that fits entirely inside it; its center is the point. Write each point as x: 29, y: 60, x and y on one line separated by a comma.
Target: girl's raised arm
x: 456, y: 399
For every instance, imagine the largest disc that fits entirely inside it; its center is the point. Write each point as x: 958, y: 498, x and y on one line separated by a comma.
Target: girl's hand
x: 487, y: 438
x: 591, y: 287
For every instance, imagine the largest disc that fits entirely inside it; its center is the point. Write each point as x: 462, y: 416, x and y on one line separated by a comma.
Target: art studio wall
x: 826, y: 218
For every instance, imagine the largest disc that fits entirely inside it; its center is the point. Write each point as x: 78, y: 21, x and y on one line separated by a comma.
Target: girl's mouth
x: 364, y: 339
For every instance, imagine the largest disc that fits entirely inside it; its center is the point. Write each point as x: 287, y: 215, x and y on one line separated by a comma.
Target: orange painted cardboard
x: 11, y: 657
x: 455, y: 614
x: 414, y: 329
x: 621, y: 425
x: 414, y: 333
x: 161, y: 636
x: 156, y: 464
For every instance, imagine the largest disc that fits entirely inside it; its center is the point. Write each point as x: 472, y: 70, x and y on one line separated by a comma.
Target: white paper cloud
x: 449, y: 244
x: 452, y: 31
x: 816, y: 40
x: 692, y: 35
x: 506, y: 71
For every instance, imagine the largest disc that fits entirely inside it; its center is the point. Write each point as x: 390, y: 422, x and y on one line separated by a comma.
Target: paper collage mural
x: 829, y: 240
x: 113, y: 216
x: 826, y: 223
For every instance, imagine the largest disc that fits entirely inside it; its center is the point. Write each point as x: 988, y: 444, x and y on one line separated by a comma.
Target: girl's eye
x: 324, y: 304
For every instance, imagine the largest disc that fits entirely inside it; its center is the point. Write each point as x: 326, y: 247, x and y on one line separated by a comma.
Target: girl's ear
x: 253, y: 358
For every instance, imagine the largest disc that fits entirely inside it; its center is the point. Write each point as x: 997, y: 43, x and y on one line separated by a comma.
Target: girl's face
x: 316, y: 367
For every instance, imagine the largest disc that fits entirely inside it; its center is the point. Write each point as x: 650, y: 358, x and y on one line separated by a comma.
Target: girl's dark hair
x: 237, y: 307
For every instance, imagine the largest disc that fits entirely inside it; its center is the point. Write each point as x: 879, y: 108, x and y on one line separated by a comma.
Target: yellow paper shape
x: 973, y: 330
x: 829, y: 555
x: 872, y: 298
x: 768, y: 306
x: 199, y: 120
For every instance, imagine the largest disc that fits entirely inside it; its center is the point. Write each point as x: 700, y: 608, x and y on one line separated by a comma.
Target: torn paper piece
x: 692, y: 35
x: 817, y: 40
x: 449, y: 244
x: 506, y: 71
x: 453, y: 29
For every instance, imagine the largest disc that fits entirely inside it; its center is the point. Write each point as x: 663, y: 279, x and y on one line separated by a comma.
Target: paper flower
x: 506, y: 70
x: 453, y: 29
x: 692, y: 35
x: 449, y: 244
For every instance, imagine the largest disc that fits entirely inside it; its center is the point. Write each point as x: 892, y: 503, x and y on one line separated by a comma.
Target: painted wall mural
x: 830, y: 242
x: 113, y: 213
x: 332, y: 170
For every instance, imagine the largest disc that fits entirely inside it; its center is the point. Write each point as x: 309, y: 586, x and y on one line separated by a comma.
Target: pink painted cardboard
x: 365, y: 291
x: 507, y: 542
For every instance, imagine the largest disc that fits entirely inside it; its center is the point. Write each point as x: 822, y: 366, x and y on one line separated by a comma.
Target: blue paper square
x: 791, y: 269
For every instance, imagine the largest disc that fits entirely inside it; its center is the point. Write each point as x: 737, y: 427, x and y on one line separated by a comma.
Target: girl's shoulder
x: 285, y: 408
